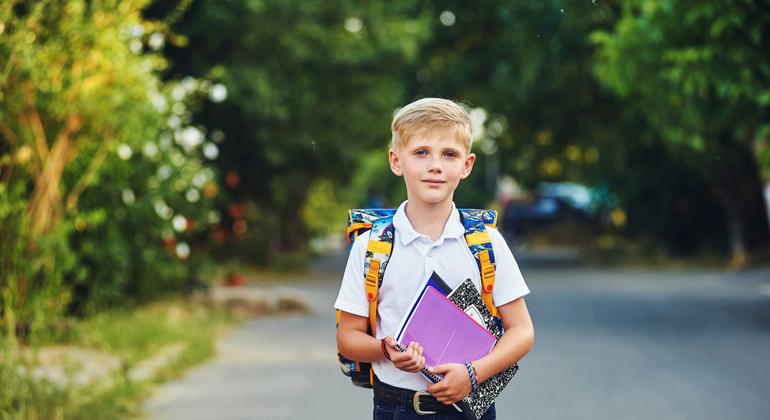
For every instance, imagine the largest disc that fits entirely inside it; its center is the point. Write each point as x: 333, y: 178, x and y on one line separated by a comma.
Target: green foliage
x: 323, y: 210
x: 698, y: 73
x: 149, y: 210
x: 25, y: 398
x: 694, y: 68
x: 105, y: 191
x: 528, y: 65
x: 373, y: 184
x: 31, y: 289
x: 311, y: 89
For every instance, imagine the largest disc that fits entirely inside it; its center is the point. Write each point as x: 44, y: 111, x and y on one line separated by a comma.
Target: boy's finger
x: 400, y: 357
x: 436, y: 389
x: 440, y: 369
x: 407, y: 355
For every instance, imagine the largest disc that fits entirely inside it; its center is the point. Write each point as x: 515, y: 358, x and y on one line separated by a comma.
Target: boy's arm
x: 353, y: 341
x: 516, y: 341
x: 355, y: 344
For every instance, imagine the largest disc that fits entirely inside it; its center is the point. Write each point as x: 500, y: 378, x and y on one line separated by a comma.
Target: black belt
x: 420, y: 401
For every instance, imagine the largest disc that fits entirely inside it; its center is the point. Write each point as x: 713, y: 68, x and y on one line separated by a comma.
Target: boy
x: 431, y: 150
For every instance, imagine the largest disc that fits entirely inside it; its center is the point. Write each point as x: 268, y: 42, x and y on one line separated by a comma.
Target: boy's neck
x: 429, y: 219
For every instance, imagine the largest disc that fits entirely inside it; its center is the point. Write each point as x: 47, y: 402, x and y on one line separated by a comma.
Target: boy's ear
x: 395, y: 163
x: 469, y: 161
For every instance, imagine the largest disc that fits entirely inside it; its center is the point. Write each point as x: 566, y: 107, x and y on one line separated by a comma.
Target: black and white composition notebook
x: 467, y: 297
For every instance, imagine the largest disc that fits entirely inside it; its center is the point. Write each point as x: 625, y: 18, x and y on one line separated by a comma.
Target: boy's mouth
x: 433, y: 181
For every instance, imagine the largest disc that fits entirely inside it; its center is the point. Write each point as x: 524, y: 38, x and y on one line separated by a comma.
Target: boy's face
x: 432, y: 164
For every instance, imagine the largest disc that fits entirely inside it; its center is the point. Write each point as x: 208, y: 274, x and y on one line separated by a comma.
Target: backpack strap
x: 476, y: 236
x: 378, y: 251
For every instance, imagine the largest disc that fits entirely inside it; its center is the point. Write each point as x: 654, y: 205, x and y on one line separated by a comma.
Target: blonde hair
x: 430, y: 115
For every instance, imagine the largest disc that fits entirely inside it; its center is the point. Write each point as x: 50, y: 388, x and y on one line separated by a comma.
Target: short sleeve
x: 509, y: 283
x: 352, y: 297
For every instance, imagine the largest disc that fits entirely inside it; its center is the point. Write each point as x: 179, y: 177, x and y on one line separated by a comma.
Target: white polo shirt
x: 414, y: 258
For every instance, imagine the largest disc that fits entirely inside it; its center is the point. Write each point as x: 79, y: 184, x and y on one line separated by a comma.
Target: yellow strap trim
x: 379, y: 247
x: 487, y: 297
x: 371, y: 281
x: 371, y: 285
x: 373, y: 317
x: 487, y: 281
x: 358, y: 226
x: 477, y: 238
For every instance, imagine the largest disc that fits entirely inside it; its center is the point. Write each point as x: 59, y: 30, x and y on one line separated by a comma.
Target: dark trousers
x: 386, y: 411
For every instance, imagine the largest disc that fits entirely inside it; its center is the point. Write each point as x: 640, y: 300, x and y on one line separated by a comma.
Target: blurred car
x: 549, y: 204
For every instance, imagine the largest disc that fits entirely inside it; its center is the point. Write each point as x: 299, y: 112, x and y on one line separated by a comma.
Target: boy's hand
x: 455, y: 386
x: 410, y: 360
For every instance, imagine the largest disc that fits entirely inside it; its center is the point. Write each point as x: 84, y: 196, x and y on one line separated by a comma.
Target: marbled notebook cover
x: 466, y: 296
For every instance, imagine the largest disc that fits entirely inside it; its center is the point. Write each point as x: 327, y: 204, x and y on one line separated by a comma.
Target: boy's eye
x: 450, y: 154
x: 421, y: 153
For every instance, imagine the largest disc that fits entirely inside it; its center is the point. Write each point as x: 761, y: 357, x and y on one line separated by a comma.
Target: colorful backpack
x: 378, y: 250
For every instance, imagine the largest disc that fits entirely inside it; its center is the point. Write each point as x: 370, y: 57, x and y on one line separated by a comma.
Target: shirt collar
x: 406, y: 233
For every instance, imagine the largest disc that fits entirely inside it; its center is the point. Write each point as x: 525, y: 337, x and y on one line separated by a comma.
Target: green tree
x: 69, y: 91
x: 698, y: 72
x: 531, y: 65
x: 311, y: 86
x: 528, y: 64
x: 79, y: 98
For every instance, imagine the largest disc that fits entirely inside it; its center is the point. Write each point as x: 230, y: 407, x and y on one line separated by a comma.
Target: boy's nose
x: 435, y: 165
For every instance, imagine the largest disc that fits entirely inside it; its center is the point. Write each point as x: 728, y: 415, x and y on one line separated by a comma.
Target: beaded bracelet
x: 472, y: 374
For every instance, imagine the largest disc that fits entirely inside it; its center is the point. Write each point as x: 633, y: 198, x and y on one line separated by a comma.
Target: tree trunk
x: 739, y: 190
x: 45, y: 205
x: 736, y: 225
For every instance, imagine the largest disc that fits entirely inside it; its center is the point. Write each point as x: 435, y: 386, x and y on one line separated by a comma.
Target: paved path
x: 618, y: 344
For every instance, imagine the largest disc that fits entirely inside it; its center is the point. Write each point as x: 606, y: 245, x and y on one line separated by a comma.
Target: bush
x: 31, y: 277
x: 105, y: 189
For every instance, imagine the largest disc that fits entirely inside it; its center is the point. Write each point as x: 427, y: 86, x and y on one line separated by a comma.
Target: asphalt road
x: 619, y: 344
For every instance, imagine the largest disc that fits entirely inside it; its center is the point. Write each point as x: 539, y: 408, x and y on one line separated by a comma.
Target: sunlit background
x: 170, y: 170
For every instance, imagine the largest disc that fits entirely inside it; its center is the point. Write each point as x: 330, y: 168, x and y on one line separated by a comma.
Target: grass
x: 132, y: 335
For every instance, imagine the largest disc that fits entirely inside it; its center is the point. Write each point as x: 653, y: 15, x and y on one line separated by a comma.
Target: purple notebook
x: 446, y: 333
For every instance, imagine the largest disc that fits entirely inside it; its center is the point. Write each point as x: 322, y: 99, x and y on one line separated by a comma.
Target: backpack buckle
x: 372, y: 282
x: 416, y: 403
x: 487, y: 271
